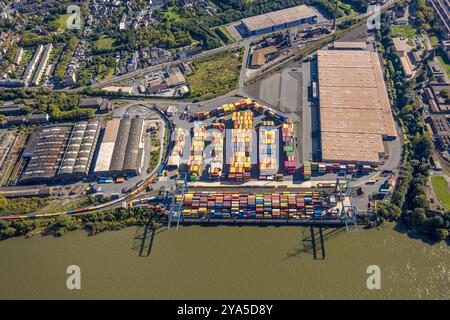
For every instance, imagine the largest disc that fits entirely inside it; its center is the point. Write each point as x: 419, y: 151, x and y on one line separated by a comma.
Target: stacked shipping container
x: 216, y: 166
x: 178, y: 149
x: 197, y: 146
x: 268, y: 155
x: 287, y: 134
x: 286, y: 205
x: 307, y: 170
x: 241, y: 146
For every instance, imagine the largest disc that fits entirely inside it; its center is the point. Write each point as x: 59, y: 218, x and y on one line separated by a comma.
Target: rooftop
x: 354, y: 107
x: 280, y: 17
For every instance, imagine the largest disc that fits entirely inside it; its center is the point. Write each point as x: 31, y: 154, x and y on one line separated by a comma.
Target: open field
x: 104, y: 44
x: 441, y: 189
x: 346, y: 10
x: 405, y: 32
x: 62, y: 21
x: 215, y: 75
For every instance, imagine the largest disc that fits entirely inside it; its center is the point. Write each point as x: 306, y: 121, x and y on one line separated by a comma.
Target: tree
x: 440, y: 234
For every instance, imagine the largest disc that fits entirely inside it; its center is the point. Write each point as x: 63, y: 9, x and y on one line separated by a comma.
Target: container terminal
x: 217, y: 156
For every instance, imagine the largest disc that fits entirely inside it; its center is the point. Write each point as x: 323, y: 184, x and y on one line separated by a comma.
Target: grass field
x: 104, y: 44
x: 171, y: 14
x: 347, y: 10
x: 405, y: 32
x: 215, y: 75
x: 62, y: 21
x: 440, y: 188
x: 227, y: 34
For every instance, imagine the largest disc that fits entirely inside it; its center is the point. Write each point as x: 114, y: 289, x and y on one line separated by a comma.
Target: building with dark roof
x: 90, y: 102
x: 11, y: 109
x: 60, y: 152
x: 46, y: 152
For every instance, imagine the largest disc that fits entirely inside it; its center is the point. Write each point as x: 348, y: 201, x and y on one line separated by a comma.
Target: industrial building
x: 122, y: 149
x: 80, y: 149
x: 355, y: 114
x: 60, y: 152
x: 277, y: 20
x: 260, y: 56
x: 45, y: 150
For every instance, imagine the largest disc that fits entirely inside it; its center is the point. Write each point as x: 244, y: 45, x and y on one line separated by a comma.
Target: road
x: 241, y: 43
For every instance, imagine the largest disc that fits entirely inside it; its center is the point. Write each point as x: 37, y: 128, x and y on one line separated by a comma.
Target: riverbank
x: 224, y: 263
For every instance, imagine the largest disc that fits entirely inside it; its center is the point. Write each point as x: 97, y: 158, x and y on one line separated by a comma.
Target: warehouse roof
x: 351, y: 147
x: 280, y: 17
x: 354, y: 105
x: 122, y: 146
x: 46, y: 149
x: 79, y: 151
x: 259, y: 56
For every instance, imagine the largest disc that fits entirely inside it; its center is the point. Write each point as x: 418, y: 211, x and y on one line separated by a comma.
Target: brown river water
x: 224, y: 263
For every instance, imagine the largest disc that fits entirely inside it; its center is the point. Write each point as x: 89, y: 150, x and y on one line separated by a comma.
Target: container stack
x: 268, y: 154
x: 241, y: 105
x: 226, y: 109
x: 307, y: 170
x: 216, y: 166
x: 228, y: 205
x: 178, y: 149
x: 287, y: 137
x: 196, y: 155
x: 241, y: 146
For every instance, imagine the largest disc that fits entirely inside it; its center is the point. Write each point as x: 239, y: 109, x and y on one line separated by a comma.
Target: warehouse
x: 355, y: 114
x: 78, y: 154
x: 122, y: 148
x: 276, y: 20
x: 45, y: 150
x: 60, y: 152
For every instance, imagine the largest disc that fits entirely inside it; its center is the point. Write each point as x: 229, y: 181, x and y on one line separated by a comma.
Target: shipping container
x: 195, y: 161
x: 286, y: 205
x: 268, y: 151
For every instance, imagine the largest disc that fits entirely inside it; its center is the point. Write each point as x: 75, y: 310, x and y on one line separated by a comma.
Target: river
x: 224, y: 263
